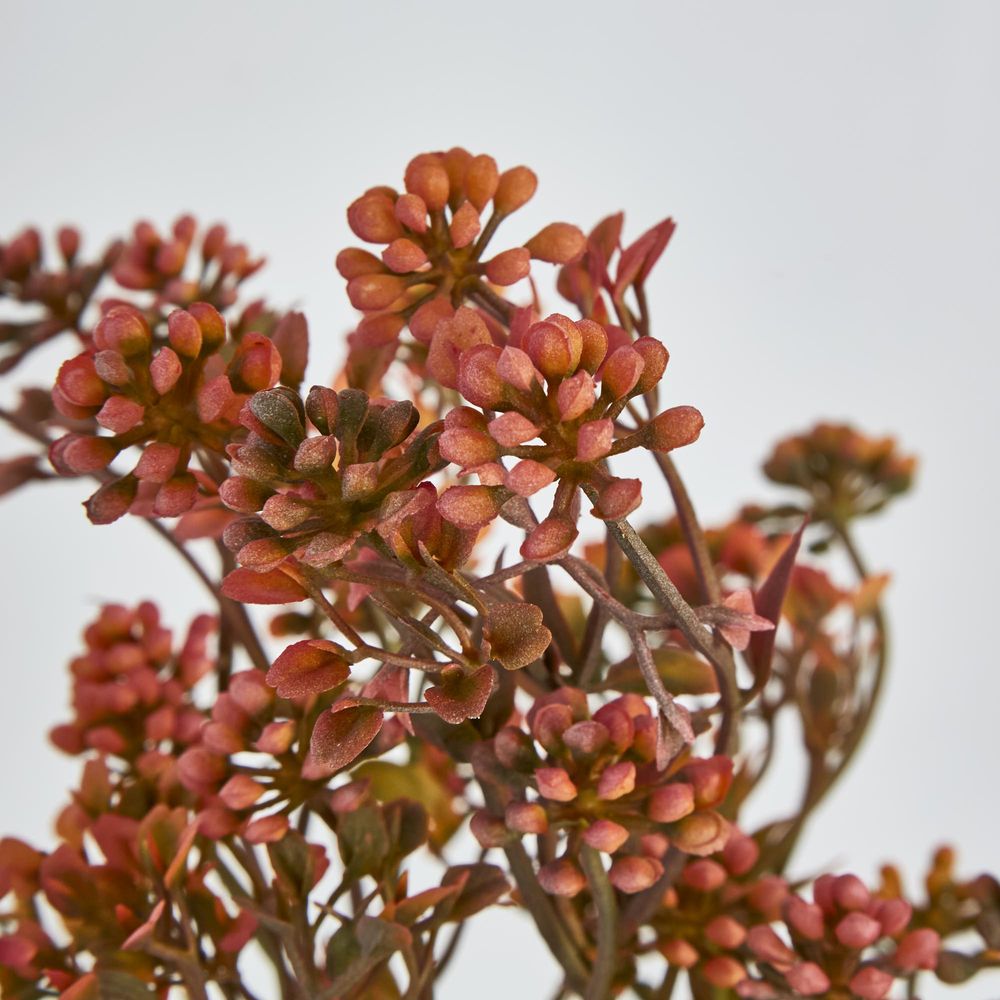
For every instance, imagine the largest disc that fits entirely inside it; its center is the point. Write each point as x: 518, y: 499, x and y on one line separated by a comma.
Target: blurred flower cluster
x: 468, y: 694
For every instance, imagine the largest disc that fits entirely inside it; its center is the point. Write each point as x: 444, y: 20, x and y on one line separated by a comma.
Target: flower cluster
x: 235, y: 794
x: 316, y: 495
x: 561, y: 383
x: 55, y: 297
x: 434, y: 240
x: 131, y: 691
x: 595, y: 780
x: 175, y: 396
x: 845, y: 473
x: 168, y: 266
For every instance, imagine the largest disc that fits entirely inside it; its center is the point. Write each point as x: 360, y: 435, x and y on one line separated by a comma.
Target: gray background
x: 833, y: 172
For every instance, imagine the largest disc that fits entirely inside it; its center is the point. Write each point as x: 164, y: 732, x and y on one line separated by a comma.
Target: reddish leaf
x: 271, y: 587
x: 343, y: 732
x: 516, y: 634
x: 767, y: 603
x: 460, y: 696
x: 311, y: 666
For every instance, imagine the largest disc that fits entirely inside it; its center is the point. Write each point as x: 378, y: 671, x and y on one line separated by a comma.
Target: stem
x: 605, y: 903
x: 663, y: 589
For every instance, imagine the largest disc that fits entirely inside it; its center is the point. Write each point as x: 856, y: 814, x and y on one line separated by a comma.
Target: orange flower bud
x: 372, y: 218
x: 375, y: 291
x: 555, y: 783
x: 481, y: 179
x: 464, y: 226
x: 562, y: 878
x: 673, y: 428
x: 411, y: 211
x: 426, y: 176
x: 526, y: 817
x: 403, y: 255
x: 515, y: 187
x: 509, y: 267
x: 557, y: 243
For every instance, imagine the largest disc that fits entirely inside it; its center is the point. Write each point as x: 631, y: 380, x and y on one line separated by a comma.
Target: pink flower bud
x: 870, y: 983
x: 489, y: 831
x: 372, y: 219
x: 555, y: 783
x: 479, y: 380
x: 512, y: 429
x: 634, y: 874
x: 576, y: 395
x: 808, y: 979
x: 768, y: 947
x: 918, y: 950
x: 527, y: 477
x: 851, y: 893
x: 469, y: 507
x: 704, y: 875
x: 723, y: 972
x: 554, y: 346
x: 516, y: 369
x: 673, y: 428
x: 679, y: 952
x: 424, y: 322
x: 616, y: 780
x: 740, y: 853
x: 80, y: 383
x: 277, y: 737
x: 594, y: 440
x: 671, y: 803
x: 123, y: 329
x: 858, y: 930
x: 464, y: 226
x: 605, y: 835
x: 702, y: 833
x: 375, y: 291
x: 621, y: 372
x: 509, y: 267
x: 403, y: 255
x: 120, y: 415
x: 526, y: 817
x: 266, y: 830
x: 184, y: 334
x: 586, y: 738
x: 893, y: 914
x: 726, y: 932
x: 411, y: 211
x: 561, y: 878
x: 240, y: 792
x: 550, y: 540
x: 804, y: 919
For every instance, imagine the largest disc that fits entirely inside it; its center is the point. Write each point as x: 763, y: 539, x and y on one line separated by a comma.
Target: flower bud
x: 481, y: 180
x: 575, y: 396
x: 411, y: 211
x: 918, y: 950
x: 403, y: 255
x: 426, y: 177
x: 702, y: 833
x: 858, y: 930
x: 372, y: 219
x: 526, y: 817
x: 634, y: 874
x: 671, y: 803
x: 509, y: 267
x: 850, y: 893
x: 464, y: 226
x: 276, y: 738
x: 125, y: 330
x: 562, y: 878
x: 594, y: 440
x: 673, y: 428
x: 527, y: 477
x: 554, y: 783
x: 375, y: 291
x: 804, y: 919
x: 267, y: 829
x: 726, y: 932
x: 515, y: 187
x: 704, y: 875
x: 79, y: 381
x: 555, y: 345
x: 557, y: 243
x: 240, y: 792
x: 605, y: 835
x: 512, y: 429
x: 654, y: 362
x: 516, y: 369
x: 616, y: 780
x: 621, y: 372
x: 870, y: 983
x: 723, y: 972
x: 680, y: 953
x: 489, y: 831
x: 808, y: 979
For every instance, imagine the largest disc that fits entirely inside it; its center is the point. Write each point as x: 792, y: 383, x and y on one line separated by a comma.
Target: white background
x: 833, y: 170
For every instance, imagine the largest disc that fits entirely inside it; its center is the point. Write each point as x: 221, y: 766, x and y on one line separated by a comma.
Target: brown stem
x: 603, y: 896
